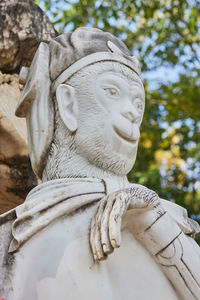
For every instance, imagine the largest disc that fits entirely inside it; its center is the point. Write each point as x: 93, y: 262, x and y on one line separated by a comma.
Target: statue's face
x: 124, y: 103
x: 110, y: 113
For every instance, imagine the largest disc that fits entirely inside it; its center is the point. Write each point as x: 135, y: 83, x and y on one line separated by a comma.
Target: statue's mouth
x: 124, y: 136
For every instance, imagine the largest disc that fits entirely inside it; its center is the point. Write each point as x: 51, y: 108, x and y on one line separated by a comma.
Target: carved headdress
x: 53, y: 64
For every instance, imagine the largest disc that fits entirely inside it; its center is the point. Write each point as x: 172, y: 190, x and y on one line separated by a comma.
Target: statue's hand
x: 105, y: 234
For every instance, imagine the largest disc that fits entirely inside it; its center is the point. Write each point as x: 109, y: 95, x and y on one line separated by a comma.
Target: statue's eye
x: 138, y: 105
x: 113, y: 92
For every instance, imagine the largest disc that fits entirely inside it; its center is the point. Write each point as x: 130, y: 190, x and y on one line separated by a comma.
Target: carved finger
x: 142, y: 197
x: 92, y: 235
x: 105, y: 240
x: 93, y: 232
x: 97, y: 233
x: 118, y: 210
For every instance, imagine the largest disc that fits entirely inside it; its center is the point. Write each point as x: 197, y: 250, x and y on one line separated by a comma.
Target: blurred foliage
x: 164, y: 33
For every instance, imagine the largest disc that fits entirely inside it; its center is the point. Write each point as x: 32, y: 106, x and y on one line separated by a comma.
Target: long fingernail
x: 115, y: 244
x: 107, y: 249
x: 95, y: 257
x: 99, y: 254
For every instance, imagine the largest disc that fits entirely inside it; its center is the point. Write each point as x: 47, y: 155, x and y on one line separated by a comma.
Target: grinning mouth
x: 123, y: 136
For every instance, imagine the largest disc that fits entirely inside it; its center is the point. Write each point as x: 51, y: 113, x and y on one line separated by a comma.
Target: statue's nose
x: 130, y: 112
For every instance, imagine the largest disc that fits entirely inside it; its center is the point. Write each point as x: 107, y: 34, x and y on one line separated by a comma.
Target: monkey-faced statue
x: 85, y: 232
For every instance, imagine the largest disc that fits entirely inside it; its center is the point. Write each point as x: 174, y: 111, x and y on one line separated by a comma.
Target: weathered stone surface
x: 82, y: 147
x: 14, y: 161
x: 23, y: 26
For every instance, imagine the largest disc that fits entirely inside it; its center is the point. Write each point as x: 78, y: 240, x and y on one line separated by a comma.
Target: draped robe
x: 51, y: 255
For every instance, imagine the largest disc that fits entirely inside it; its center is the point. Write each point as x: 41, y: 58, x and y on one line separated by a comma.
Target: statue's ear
x: 67, y: 106
x: 37, y: 106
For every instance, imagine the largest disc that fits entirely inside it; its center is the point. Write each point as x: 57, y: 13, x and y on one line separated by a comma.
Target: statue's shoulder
x: 7, y: 218
x: 6, y: 259
x: 178, y: 213
x: 180, y: 216
x: 6, y: 221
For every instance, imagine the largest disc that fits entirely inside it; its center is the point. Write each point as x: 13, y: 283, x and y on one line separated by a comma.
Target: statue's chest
x: 57, y: 264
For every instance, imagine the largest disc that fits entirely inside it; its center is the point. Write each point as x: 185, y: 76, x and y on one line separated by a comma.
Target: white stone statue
x: 85, y: 232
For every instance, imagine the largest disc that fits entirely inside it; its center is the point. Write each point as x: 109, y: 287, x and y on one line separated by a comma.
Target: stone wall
x: 23, y: 26
x: 16, y: 176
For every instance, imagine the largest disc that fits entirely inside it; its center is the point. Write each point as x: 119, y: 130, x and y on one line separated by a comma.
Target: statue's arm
x: 176, y: 253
